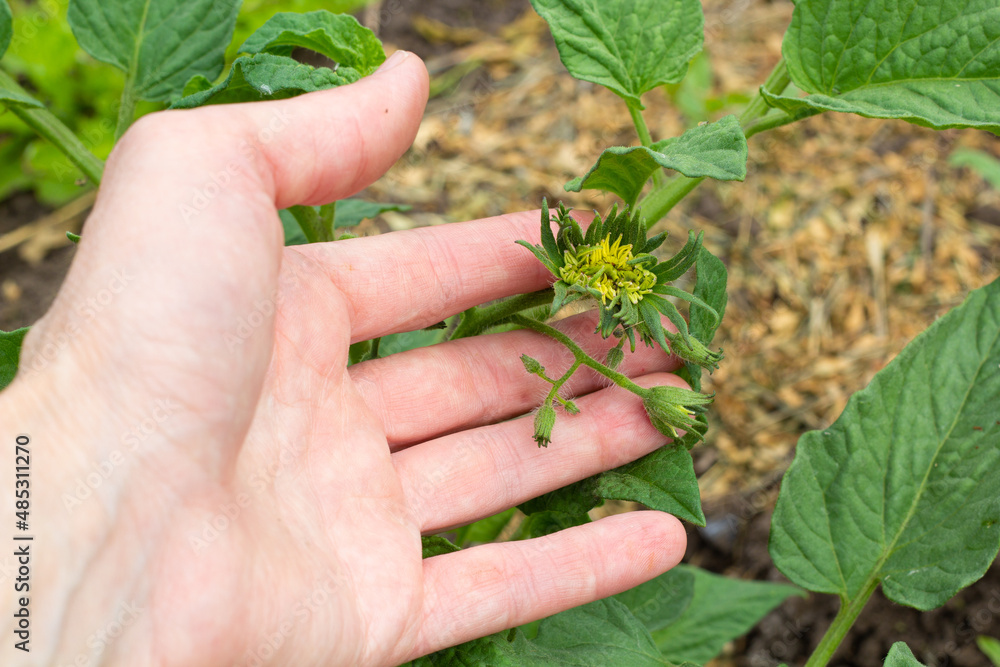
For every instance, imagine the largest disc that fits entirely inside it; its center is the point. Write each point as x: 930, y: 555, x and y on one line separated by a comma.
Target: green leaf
x: 540, y: 524
x: 902, y: 489
x: 484, y: 530
x: 265, y: 76
x: 351, y: 212
x: 900, y: 655
x: 293, y: 230
x: 982, y: 163
x: 600, y: 633
x: 662, y: 480
x: 629, y: 46
x: 339, y: 37
x: 660, y: 601
x: 721, y: 610
x: 710, y: 287
x: 435, y: 545
x: 990, y: 647
x: 6, y: 26
x: 10, y: 354
x: 935, y: 63
x: 159, y: 45
x: 717, y: 150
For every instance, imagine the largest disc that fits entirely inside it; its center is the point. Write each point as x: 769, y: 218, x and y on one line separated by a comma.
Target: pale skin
x: 212, y: 485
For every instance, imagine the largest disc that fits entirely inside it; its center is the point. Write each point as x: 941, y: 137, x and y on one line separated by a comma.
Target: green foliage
x: 902, y: 489
x: 935, y: 63
x: 6, y: 26
x: 485, y: 530
x: 716, y: 150
x: 900, y: 655
x: 435, y: 545
x: 339, y: 37
x: 159, y: 45
x: 990, y: 648
x: 628, y: 46
x: 600, y: 633
x: 721, y: 609
x: 10, y: 354
x: 661, y: 601
x: 264, y: 76
x: 982, y: 163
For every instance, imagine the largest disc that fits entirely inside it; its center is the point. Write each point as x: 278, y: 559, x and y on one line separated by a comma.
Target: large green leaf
x: 721, y: 610
x: 903, y: 488
x: 629, y: 46
x: 717, y: 150
x: 599, y: 633
x: 339, y: 37
x: 660, y: 601
x: 900, y: 655
x: 662, y: 480
x: 159, y: 45
x: 932, y: 62
x: 265, y: 76
x: 10, y: 354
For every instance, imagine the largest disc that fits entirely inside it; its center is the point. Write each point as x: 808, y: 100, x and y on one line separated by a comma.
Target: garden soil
x: 848, y: 238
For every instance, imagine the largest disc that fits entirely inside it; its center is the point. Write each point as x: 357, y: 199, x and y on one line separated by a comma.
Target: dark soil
x: 735, y: 544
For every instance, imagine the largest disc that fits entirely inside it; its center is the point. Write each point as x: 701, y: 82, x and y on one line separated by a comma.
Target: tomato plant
x: 902, y: 492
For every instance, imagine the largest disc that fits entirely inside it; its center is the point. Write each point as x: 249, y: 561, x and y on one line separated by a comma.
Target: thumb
x: 178, y: 268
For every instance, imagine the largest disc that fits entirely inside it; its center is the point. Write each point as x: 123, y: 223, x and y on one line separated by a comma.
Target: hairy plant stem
x: 46, y: 125
x: 848, y: 613
x: 480, y: 318
x: 126, y: 110
x: 757, y: 117
x: 557, y: 384
x: 645, y: 138
x: 579, y: 355
x: 313, y: 225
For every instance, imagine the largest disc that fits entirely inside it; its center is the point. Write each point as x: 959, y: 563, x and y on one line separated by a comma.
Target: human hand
x: 257, y: 501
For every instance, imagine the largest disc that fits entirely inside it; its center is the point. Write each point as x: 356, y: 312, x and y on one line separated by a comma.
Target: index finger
x: 411, y: 279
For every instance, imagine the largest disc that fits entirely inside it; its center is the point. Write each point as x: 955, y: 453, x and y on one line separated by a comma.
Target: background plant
x: 939, y: 482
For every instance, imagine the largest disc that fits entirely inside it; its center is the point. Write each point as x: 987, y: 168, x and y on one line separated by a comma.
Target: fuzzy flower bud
x: 669, y: 408
x: 545, y: 419
x: 693, y: 350
x: 531, y: 365
x: 616, y: 356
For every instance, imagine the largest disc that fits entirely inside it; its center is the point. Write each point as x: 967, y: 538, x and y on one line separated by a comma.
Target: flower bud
x: 571, y: 408
x: 545, y: 419
x: 533, y: 366
x: 693, y: 350
x: 616, y: 356
x: 669, y: 408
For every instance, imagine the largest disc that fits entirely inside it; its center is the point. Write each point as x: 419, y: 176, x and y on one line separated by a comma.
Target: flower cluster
x: 613, y: 263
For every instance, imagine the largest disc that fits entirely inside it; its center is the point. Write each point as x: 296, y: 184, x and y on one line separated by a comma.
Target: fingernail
x: 394, y: 60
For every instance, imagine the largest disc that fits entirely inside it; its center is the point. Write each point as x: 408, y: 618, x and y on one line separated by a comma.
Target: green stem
x: 312, y: 224
x: 578, y: 353
x: 841, y: 624
x: 43, y: 122
x: 757, y: 117
x: 645, y: 138
x: 476, y: 320
x: 659, y: 202
x: 126, y: 111
x: 557, y: 384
